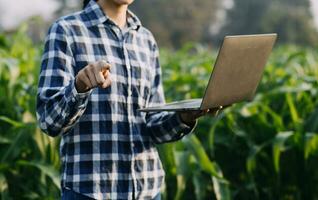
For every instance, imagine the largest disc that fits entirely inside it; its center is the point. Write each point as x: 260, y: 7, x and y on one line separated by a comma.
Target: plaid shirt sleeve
x: 164, y: 126
x: 59, y: 105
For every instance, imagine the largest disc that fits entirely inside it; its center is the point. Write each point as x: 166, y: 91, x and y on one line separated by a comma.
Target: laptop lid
x: 238, y: 69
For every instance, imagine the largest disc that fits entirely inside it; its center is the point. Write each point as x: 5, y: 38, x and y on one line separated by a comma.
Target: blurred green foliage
x: 28, y: 159
x: 264, y: 149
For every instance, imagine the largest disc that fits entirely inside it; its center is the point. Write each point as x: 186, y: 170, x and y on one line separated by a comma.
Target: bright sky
x: 314, y: 6
x: 13, y: 12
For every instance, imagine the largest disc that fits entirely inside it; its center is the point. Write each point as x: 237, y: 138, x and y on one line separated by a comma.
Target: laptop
x: 235, y: 76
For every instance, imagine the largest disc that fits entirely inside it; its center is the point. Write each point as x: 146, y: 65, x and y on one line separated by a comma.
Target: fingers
x: 226, y: 106
x: 93, y: 75
x: 102, y: 74
x: 90, y: 74
x: 215, y: 111
x: 107, y: 81
x: 191, y: 116
x: 200, y: 113
x: 103, y: 66
x: 100, y: 78
x: 82, y: 82
x: 88, y: 81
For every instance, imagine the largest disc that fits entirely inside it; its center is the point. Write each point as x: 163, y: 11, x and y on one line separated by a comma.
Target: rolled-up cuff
x: 183, y: 127
x: 80, y: 99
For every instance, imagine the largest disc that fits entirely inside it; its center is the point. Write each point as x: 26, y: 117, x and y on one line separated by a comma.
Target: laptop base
x: 185, y: 105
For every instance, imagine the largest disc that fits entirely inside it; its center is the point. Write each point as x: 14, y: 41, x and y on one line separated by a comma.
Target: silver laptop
x: 236, y: 74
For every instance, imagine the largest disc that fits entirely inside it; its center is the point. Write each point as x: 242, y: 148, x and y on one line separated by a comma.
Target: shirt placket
x: 122, y: 39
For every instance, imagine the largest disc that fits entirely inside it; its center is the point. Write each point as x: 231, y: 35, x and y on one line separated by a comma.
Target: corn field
x: 264, y: 149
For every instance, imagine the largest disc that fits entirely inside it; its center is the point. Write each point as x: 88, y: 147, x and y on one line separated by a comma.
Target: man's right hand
x: 93, y: 75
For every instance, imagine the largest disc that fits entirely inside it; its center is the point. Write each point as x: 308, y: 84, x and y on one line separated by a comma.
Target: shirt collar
x: 96, y: 16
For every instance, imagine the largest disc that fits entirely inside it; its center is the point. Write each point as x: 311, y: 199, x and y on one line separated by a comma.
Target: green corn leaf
x: 195, y: 147
x: 311, y: 124
x: 278, y: 146
x: 14, y: 123
x: 221, y: 188
x: 4, y: 140
x: 46, y: 169
x: 277, y: 119
x: 4, y: 193
x: 311, y: 147
x: 200, y: 185
x: 11, y: 152
x: 220, y: 185
x: 183, y: 172
x: 181, y: 186
x: 251, y: 159
x: 3, y: 184
x: 292, y: 108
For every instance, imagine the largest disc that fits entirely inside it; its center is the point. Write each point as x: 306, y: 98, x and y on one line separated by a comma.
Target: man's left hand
x: 189, y: 117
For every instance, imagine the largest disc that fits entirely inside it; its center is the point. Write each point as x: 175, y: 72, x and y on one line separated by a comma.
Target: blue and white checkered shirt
x: 108, y: 147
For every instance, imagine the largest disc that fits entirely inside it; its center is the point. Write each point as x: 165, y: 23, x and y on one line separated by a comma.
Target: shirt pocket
x: 143, y: 78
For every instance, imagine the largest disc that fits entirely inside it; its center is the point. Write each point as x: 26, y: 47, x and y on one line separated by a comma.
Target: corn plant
x: 28, y: 159
x: 264, y: 149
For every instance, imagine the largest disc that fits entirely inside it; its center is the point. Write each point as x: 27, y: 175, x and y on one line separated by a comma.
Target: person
x: 99, y: 66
